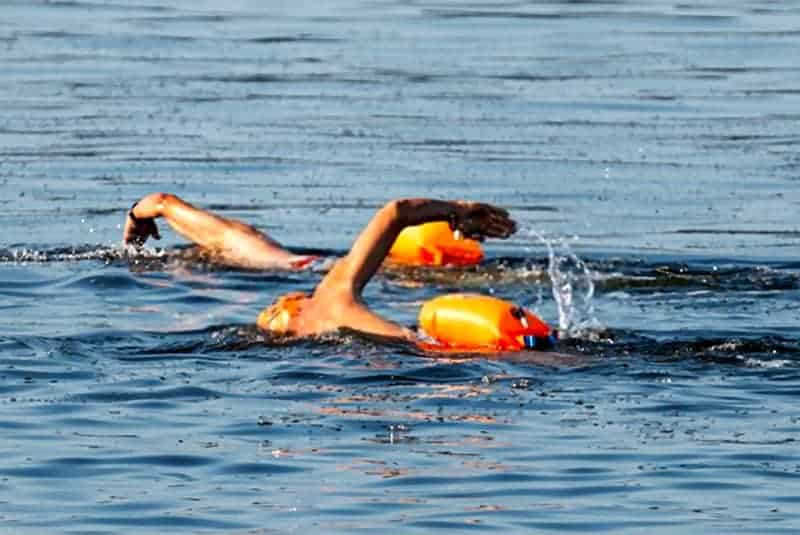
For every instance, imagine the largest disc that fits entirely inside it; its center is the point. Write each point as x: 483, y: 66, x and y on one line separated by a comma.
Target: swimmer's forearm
x: 198, y: 226
x: 474, y: 220
x: 373, y: 243
x: 180, y: 215
x: 235, y: 242
x: 418, y: 211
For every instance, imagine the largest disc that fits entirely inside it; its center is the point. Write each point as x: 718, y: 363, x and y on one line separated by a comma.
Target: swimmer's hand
x: 138, y: 229
x: 478, y: 221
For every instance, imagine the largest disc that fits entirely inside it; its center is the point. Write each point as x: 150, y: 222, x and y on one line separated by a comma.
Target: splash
x: 103, y: 253
x: 25, y: 255
x: 572, y: 285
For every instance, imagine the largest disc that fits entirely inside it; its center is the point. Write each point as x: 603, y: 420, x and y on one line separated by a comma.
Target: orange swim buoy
x: 433, y: 244
x: 474, y: 322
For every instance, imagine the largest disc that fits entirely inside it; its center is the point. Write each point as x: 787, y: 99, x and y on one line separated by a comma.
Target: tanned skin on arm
x: 227, y: 240
x: 337, y: 301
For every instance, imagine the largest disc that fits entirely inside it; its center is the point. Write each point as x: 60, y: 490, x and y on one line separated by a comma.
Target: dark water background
x: 648, y: 149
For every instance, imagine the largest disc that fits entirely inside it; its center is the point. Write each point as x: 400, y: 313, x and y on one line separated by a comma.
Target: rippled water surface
x: 649, y: 151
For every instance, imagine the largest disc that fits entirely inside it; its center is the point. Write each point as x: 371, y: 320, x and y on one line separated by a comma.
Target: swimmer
x: 228, y: 241
x: 337, y: 303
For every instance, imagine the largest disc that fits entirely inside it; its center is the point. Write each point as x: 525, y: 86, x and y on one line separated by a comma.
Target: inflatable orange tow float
x: 470, y: 322
x: 434, y: 244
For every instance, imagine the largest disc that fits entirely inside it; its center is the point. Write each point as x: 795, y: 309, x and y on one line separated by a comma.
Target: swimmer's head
x: 278, y: 317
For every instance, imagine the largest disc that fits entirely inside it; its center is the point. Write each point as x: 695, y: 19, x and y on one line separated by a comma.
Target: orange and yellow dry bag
x: 433, y: 244
x: 475, y: 322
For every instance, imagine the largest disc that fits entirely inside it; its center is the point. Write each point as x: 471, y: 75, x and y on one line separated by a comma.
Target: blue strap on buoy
x: 540, y: 342
x: 553, y: 338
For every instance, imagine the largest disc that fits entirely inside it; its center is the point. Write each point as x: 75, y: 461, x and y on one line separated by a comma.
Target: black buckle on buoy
x: 519, y: 313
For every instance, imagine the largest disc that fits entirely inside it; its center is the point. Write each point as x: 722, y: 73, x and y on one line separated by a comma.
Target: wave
x: 606, y: 273
x: 216, y: 345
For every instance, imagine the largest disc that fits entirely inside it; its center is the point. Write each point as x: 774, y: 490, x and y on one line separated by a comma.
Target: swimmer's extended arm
x: 231, y: 241
x: 474, y: 220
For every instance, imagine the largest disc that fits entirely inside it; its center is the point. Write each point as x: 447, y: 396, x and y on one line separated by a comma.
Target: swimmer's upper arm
x: 369, y: 249
x: 372, y: 245
x: 477, y: 220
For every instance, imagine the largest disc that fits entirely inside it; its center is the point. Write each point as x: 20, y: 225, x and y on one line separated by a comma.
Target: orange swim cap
x: 279, y: 315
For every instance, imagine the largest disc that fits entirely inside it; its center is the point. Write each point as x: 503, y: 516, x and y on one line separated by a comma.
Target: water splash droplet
x: 573, y: 288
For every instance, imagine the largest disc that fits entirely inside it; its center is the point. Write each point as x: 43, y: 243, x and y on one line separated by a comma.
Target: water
x: 653, y: 145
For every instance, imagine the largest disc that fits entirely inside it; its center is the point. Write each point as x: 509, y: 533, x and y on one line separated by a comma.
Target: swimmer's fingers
x: 500, y: 230
x: 478, y: 221
x: 302, y: 262
x: 153, y: 229
x: 499, y: 225
x: 491, y: 232
x: 139, y: 229
x: 471, y: 221
x: 128, y: 232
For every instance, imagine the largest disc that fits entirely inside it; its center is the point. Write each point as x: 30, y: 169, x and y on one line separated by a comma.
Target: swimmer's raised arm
x: 337, y: 302
x: 473, y: 220
x: 231, y: 241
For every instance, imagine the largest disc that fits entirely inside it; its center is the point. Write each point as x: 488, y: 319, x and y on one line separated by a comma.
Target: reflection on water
x: 137, y: 396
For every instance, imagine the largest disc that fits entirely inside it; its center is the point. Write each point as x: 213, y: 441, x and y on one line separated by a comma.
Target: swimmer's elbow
x: 167, y: 203
x: 394, y: 210
x: 160, y: 200
x: 167, y: 199
x: 404, y: 211
x: 394, y: 214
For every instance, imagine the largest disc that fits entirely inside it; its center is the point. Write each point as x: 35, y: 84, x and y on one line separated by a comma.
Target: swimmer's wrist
x: 452, y: 219
x: 131, y: 214
x: 455, y: 216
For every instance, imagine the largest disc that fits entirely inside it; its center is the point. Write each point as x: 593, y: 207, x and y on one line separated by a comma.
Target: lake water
x: 649, y: 151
